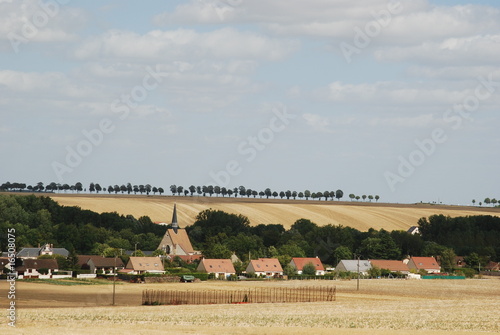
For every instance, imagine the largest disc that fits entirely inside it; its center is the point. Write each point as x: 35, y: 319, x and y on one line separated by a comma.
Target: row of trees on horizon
x: 209, y: 190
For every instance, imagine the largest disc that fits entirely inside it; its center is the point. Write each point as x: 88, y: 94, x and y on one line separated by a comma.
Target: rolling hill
x: 359, y: 215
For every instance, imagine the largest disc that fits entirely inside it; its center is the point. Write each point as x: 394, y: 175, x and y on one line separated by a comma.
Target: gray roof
x: 35, y: 252
x: 352, y: 265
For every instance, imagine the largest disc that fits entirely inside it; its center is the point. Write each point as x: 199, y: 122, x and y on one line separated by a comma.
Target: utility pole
x: 357, y: 287
x: 114, y: 281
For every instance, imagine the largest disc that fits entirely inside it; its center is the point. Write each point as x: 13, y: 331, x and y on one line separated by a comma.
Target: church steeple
x: 175, y: 225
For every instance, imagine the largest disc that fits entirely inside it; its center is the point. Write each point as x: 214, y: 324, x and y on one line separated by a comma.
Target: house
x: 176, y: 240
x: 354, y: 265
x: 393, y: 266
x: 300, y: 262
x: 140, y: 265
x: 4, y: 265
x: 492, y: 266
x: 413, y: 230
x: 429, y: 264
x: 37, y: 268
x: 48, y: 249
x: 269, y: 267
x: 105, y: 265
x: 222, y: 268
x: 187, y: 258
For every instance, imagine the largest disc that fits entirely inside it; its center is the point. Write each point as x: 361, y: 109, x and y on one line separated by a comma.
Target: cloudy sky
x: 395, y: 98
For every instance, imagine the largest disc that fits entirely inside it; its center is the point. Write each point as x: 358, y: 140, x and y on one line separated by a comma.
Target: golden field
x: 359, y: 215
x: 380, y: 307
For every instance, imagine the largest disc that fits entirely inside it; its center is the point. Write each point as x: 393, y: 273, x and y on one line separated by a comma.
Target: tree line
x: 487, y: 201
x: 206, y: 190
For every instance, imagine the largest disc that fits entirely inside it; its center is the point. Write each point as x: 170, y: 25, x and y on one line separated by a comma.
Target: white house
x: 222, y: 268
x: 269, y: 267
x: 300, y: 262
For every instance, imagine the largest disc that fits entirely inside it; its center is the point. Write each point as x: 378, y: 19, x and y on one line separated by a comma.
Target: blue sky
x: 395, y: 98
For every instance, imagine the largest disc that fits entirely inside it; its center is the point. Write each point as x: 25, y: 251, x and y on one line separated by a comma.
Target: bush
x: 467, y: 272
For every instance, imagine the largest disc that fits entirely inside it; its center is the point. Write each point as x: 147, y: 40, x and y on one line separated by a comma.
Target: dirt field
x: 380, y: 307
x: 361, y: 216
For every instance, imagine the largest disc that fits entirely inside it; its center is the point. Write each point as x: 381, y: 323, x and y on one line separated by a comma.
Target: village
x: 176, y: 247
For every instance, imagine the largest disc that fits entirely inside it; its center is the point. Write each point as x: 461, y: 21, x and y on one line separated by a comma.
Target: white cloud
x: 397, y: 94
x: 184, y: 44
x: 466, y: 50
x: 24, y: 21
x: 317, y: 122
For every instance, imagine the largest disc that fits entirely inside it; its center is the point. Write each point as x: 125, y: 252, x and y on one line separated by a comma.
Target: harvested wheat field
x: 361, y: 216
x: 379, y: 307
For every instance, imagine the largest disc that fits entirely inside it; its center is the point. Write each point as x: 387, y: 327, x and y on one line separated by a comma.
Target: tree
x: 254, y: 193
x: 268, y: 193
x: 179, y: 190
x: 155, y: 189
x: 300, y: 195
x: 91, y: 187
x: 288, y: 194
x: 235, y: 192
x: 249, y: 192
x: 352, y: 196
x: 370, y: 197
x: 98, y: 188
x: 217, y: 190
x: 223, y: 191
x: 289, y: 270
x: 173, y: 189
x: 123, y: 188
x: 129, y: 188
x: 447, y: 258
x: 192, y: 189
x: 357, y: 198
x: 342, y: 252
x: 261, y: 194
x: 307, y: 194
x: 339, y: 194
x: 487, y: 201
x: 110, y: 189
x: 78, y: 187
x: 364, y: 197
x: 294, y: 194
x: 494, y: 201
x: 243, y: 191
x: 282, y: 194
x: 319, y: 195
x: 473, y: 202
x: 377, y: 197
x: 275, y: 194
x: 309, y: 269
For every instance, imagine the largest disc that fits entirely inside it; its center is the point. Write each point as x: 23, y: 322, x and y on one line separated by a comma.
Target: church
x: 176, y: 241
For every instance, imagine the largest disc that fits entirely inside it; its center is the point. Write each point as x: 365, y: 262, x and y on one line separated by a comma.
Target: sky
x: 392, y: 98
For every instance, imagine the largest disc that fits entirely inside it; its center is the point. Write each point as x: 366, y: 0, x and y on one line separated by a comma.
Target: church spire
x: 175, y: 225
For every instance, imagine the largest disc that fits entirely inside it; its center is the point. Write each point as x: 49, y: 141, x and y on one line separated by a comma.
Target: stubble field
x: 361, y: 216
x: 379, y: 307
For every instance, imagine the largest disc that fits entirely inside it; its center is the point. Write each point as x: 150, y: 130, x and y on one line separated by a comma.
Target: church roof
x: 181, y: 238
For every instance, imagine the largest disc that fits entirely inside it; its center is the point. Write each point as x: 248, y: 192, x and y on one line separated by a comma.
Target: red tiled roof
x: 425, y: 263
x: 301, y: 261
x: 390, y: 265
x: 265, y: 264
x: 217, y: 265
